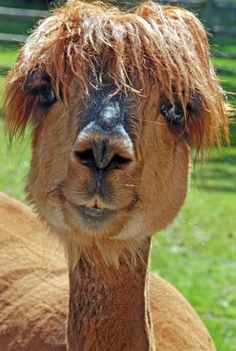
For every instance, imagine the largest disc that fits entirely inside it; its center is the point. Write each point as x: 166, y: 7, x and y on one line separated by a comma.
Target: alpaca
x: 116, y: 99
x: 34, y: 292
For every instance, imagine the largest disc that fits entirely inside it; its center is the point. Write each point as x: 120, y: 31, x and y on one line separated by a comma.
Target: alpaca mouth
x: 94, y: 212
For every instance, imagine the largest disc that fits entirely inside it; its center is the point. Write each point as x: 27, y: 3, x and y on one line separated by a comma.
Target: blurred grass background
x: 197, y: 252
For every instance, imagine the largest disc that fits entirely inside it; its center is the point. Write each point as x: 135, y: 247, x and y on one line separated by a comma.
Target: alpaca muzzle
x: 103, y: 153
x: 103, y: 143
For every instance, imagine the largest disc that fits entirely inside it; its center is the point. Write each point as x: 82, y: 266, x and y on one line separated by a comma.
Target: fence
x: 209, y: 11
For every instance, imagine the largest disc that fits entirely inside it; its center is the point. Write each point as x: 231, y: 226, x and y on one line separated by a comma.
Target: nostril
x: 119, y: 162
x: 86, y: 157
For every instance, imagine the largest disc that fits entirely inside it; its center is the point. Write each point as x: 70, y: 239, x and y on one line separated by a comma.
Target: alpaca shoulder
x: 177, y: 326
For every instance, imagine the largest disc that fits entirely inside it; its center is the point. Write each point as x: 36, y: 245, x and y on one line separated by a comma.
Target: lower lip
x: 94, y: 213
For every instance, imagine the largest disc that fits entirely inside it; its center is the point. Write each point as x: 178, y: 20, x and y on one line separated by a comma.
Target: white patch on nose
x: 119, y: 129
x: 110, y: 111
x: 85, y: 133
x: 126, y: 140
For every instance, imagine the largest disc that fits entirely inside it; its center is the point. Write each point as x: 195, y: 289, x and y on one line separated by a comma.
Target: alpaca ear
x: 24, y: 93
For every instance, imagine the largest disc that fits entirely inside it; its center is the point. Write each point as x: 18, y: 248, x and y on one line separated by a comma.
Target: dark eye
x: 46, y: 95
x: 38, y: 84
x: 173, y: 113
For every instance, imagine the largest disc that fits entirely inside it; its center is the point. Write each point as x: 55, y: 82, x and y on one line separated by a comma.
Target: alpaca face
x: 105, y: 163
x: 113, y: 97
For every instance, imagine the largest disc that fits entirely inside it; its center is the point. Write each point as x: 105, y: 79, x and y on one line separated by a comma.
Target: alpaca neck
x: 108, y: 306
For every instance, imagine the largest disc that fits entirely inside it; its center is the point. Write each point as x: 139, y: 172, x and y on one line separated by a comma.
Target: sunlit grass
x: 197, y: 252
x: 8, y: 55
x: 14, y: 164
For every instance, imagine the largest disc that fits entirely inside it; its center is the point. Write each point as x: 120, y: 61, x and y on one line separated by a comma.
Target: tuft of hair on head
x: 93, y: 43
x: 189, y: 77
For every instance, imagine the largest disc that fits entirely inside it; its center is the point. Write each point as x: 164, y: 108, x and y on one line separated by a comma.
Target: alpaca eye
x: 46, y: 95
x: 38, y: 84
x: 174, y: 114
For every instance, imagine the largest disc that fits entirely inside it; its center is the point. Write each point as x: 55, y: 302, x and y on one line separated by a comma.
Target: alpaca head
x: 115, y: 100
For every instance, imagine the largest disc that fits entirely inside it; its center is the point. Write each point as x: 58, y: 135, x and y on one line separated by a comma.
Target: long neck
x: 108, y: 306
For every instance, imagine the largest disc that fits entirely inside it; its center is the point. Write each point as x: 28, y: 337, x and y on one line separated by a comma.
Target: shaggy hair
x: 152, y: 44
x: 157, y: 57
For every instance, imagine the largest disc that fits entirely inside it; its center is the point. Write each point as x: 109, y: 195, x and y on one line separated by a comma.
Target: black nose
x: 100, y: 153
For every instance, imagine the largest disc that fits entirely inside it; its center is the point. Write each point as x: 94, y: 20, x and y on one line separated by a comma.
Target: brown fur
x: 33, y: 283
x: 153, y: 45
x: 34, y: 292
x: 149, y: 55
x: 155, y: 52
x: 107, y: 308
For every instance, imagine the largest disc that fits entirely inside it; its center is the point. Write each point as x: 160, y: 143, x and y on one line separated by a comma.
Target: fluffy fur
x: 152, y: 54
x: 34, y: 292
x: 152, y: 45
x: 156, y: 60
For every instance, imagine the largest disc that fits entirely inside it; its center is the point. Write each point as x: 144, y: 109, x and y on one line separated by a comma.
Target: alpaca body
x: 116, y: 99
x: 34, y: 294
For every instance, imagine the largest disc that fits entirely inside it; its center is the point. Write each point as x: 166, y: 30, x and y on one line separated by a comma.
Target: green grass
x: 197, y: 252
x: 8, y: 55
x: 14, y: 161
